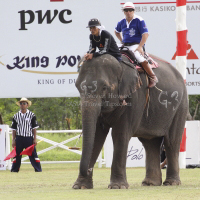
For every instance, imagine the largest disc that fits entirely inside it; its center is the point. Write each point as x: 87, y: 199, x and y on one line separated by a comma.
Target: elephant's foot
x: 118, y: 185
x: 169, y: 182
x: 84, y: 182
x: 151, y: 182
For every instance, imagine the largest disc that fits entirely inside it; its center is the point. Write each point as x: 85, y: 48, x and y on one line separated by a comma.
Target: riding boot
x: 152, y: 77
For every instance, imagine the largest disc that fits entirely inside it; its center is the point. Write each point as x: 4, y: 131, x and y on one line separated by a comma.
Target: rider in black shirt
x: 101, y: 39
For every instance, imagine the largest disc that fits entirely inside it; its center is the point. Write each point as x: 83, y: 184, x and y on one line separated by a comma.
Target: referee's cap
x: 23, y: 99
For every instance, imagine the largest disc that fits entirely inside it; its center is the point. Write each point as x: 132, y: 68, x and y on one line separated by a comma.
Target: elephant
x: 150, y: 114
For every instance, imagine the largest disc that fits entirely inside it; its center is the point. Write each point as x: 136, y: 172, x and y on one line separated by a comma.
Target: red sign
x: 183, y: 142
x: 191, y: 55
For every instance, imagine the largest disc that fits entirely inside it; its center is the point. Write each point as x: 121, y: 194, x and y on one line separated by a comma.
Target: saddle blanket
x: 153, y: 64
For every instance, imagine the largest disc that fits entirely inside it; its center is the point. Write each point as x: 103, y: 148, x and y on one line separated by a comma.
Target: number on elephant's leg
x: 172, y: 144
x: 153, y: 171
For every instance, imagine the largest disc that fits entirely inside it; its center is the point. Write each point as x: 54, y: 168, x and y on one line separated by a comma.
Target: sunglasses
x: 23, y: 103
x: 130, y: 10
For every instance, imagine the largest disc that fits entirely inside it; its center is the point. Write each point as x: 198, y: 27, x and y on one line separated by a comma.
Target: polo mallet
x: 74, y: 147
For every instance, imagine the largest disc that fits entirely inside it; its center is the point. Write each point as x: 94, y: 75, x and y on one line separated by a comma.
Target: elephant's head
x: 98, y: 84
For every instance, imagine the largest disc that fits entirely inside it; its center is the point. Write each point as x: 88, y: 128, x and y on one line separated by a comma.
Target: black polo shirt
x: 105, y: 43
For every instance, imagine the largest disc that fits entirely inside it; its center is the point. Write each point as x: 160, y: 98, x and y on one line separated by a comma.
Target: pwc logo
x: 191, y: 55
x: 24, y: 14
x: 28, y: 17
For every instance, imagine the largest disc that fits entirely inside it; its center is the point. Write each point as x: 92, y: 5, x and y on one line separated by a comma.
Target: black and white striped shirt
x: 24, y: 123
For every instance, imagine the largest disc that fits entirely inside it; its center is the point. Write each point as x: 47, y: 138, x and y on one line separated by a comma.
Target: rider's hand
x: 88, y: 56
x: 140, y: 49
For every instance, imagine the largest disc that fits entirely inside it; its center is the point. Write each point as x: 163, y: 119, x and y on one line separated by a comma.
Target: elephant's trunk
x: 90, y: 113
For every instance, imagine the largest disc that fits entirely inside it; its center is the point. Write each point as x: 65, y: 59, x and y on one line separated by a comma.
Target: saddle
x: 132, y: 59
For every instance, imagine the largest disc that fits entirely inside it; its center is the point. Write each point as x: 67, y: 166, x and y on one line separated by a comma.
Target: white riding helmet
x: 128, y: 5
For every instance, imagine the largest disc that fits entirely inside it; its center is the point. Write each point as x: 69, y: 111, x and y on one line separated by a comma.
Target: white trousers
x: 138, y: 56
x: 132, y: 48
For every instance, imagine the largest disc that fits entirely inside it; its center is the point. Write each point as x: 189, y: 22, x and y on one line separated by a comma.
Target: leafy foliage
x: 194, y: 106
x: 65, y: 113
x: 8, y: 108
x: 51, y: 113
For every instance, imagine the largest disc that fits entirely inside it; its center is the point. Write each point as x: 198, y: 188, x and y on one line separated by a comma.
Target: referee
x: 23, y: 127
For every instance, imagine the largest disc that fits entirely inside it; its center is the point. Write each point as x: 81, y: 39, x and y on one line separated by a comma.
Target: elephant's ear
x: 129, y: 82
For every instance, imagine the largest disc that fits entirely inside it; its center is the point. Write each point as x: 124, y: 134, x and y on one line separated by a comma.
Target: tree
x: 51, y: 113
x: 65, y: 113
x: 194, y: 105
x: 8, y: 108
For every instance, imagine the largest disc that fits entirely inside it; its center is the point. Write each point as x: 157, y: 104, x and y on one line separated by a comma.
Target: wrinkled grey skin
x: 98, y: 84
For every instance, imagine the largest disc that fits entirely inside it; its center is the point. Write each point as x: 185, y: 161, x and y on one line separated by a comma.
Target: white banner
x: 136, y: 153
x: 2, y: 147
x: 193, y: 142
x: 135, y: 156
x: 42, y: 41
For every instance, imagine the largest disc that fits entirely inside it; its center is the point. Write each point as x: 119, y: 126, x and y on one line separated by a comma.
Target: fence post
x: 100, y: 160
x: 8, y: 162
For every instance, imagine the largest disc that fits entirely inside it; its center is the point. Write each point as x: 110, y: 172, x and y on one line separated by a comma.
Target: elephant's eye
x: 105, y: 87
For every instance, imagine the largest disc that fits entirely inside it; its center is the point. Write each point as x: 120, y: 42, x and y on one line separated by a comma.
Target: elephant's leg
x: 172, y: 171
x: 100, y: 136
x: 118, y: 168
x: 153, y: 171
x: 172, y: 146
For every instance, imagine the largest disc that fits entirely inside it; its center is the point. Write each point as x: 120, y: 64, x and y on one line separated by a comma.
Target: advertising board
x: 42, y: 41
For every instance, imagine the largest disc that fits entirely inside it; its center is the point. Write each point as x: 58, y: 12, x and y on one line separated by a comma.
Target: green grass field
x: 56, y: 180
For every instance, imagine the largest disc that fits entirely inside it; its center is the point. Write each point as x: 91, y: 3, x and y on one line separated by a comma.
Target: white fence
x: 54, y: 145
x: 135, y: 157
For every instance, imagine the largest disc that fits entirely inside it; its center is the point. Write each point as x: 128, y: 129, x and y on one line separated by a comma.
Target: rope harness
x: 138, y: 85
